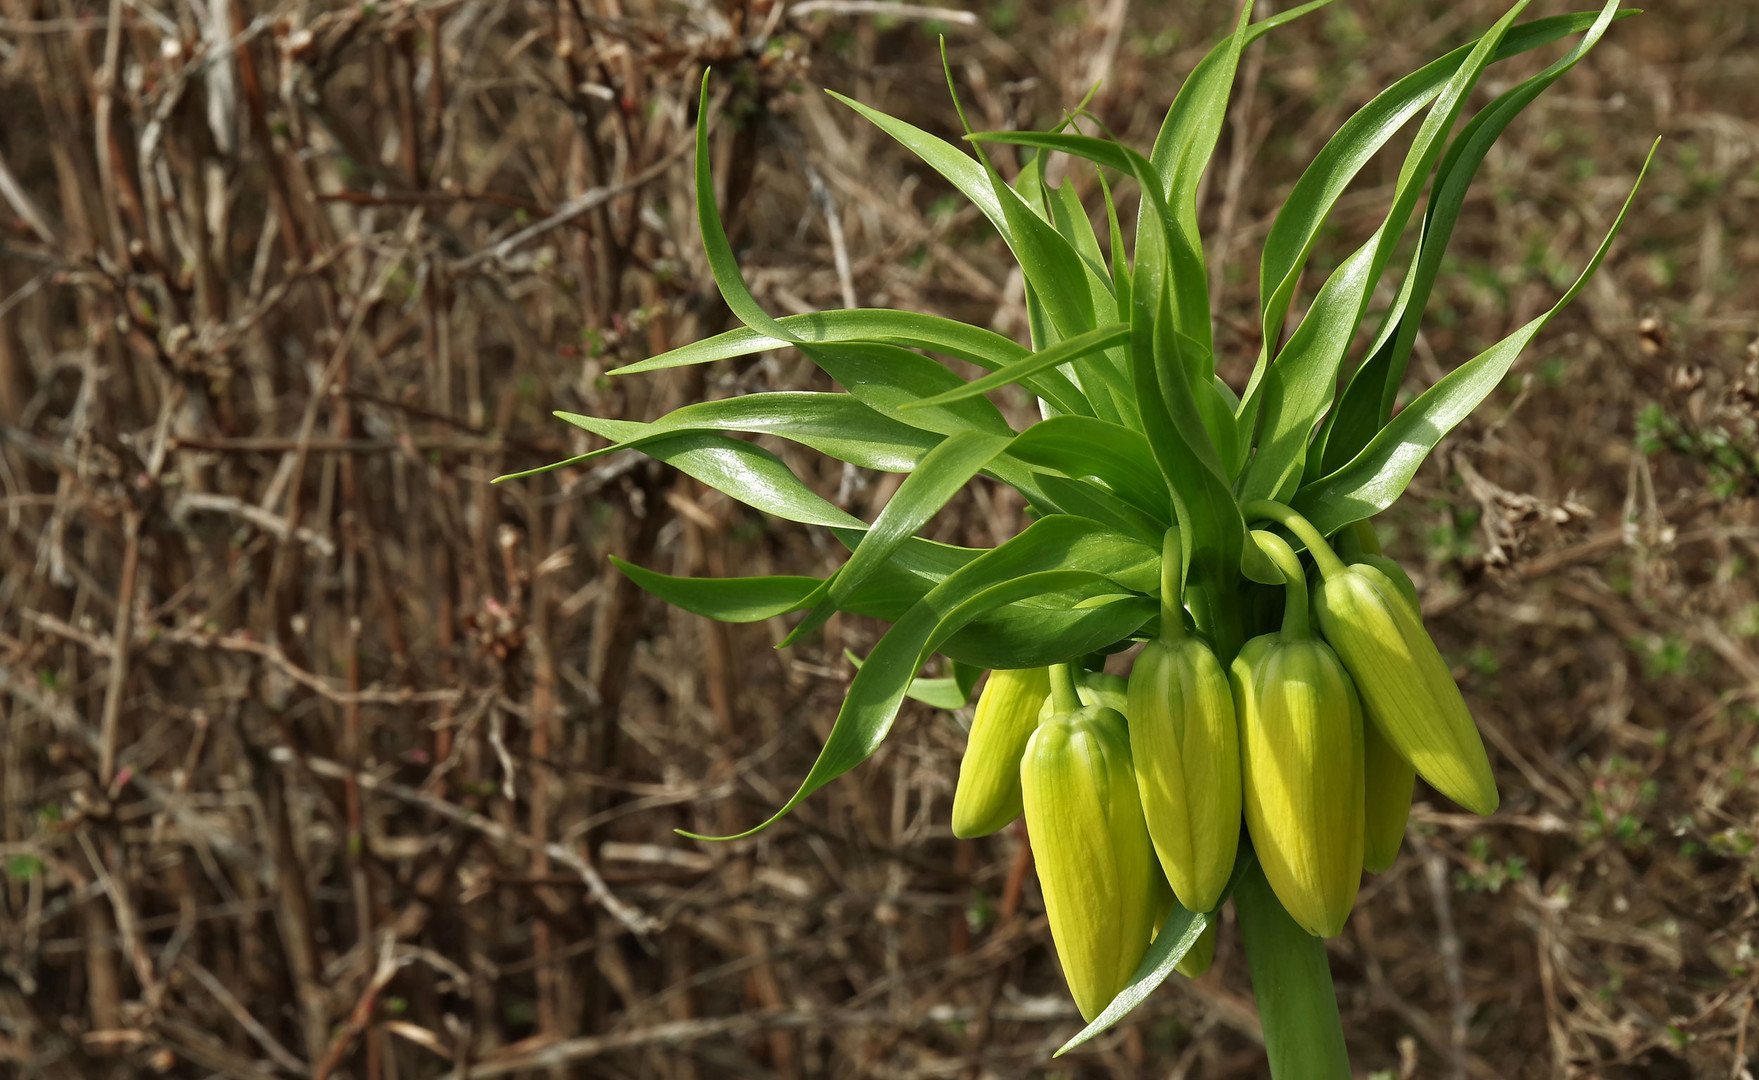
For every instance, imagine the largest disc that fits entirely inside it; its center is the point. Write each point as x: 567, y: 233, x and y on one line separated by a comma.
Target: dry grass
x: 322, y: 756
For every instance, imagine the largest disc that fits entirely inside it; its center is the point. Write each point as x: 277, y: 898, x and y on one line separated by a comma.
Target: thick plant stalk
x: 1291, y: 979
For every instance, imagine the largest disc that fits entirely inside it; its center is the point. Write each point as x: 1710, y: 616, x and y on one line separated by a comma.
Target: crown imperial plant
x: 1163, y: 502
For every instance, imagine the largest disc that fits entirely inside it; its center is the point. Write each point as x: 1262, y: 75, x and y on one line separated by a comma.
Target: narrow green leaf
x: 1080, y: 446
x: 835, y: 425
x: 879, y: 687
x: 985, y: 348
x: 734, y: 600
x: 894, y: 383
x: 1203, y: 499
x: 748, y: 473
x: 886, y: 595
x: 1071, y: 221
x: 714, y: 238
x: 1051, y: 266
x: 1304, y: 378
x: 1089, y: 500
x: 1115, y: 234
x: 958, y: 168
x: 1067, y: 351
x: 942, y: 472
x: 1049, y: 631
x: 1181, y: 153
x: 901, y: 385
x: 1374, y: 478
x: 1178, y: 933
x: 937, y: 693
x: 1302, y: 382
x: 1271, y: 22
x: 1177, y: 249
x: 1368, y: 400
x: 1360, y: 137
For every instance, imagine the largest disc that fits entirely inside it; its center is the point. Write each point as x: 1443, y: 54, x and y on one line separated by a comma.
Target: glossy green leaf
x: 1181, y: 153
x: 1285, y: 406
x: 1375, y: 477
x: 1368, y: 400
x: 1356, y: 142
x: 1036, y: 562
x: 1070, y: 219
x: 1170, y: 243
x: 899, y: 384
x: 1208, y: 516
x: 1069, y: 350
x: 957, y: 167
x: 715, y: 244
x: 928, y: 488
x: 886, y: 595
x: 1050, y: 265
x: 879, y: 687
x: 1089, y: 500
x: 1303, y: 380
x: 748, y: 473
x: 836, y: 425
x: 1188, y: 134
x: 1040, y: 634
x: 909, y: 329
x: 734, y: 600
x: 943, y: 692
x: 1115, y: 234
x: 1079, y: 446
x: 1048, y: 261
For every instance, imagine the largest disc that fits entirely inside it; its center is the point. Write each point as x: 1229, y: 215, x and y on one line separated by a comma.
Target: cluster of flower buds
x: 1134, y: 789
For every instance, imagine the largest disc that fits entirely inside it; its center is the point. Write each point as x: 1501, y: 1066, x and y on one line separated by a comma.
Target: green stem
x: 1172, y: 600
x: 1294, y: 583
x: 1291, y: 978
x: 1064, y: 698
x: 1327, y: 560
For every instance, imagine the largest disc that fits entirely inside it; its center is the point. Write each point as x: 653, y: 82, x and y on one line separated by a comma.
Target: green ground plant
x: 1286, y: 680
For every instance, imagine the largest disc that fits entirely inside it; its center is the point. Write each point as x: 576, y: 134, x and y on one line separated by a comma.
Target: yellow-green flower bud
x: 988, y: 795
x: 1301, y: 756
x: 1395, y: 574
x: 1185, y: 745
x: 1387, y: 778
x: 1386, y: 800
x: 1095, y: 863
x: 1404, y: 682
x: 1201, y: 956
